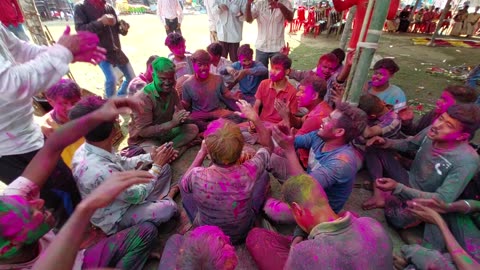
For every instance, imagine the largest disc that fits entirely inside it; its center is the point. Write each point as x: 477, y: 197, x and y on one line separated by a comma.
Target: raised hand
x: 108, y: 19
x: 246, y: 110
x: 285, y: 49
x: 281, y: 108
x: 83, y: 46
x: 164, y: 154
x: 115, y: 106
x: 406, y: 114
x: 180, y: 116
x: 284, y: 137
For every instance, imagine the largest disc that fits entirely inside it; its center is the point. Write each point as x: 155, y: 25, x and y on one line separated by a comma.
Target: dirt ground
x: 146, y: 37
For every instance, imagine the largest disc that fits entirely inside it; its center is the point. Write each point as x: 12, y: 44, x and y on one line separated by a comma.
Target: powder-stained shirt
x: 182, y: 67
x: 335, y: 170
x: 389, y: 122
x: 224, y: 194
x: 271, y: 27
x: 156, y: 111
x: 249, y: 84
x: 93, y: 165
x: 393, y: 95
x: 412, y: 128
x: 267, y: 95
x: 436, y: 172
x: 347, y: 243
x: 334, y: 88
x: 204, y: 96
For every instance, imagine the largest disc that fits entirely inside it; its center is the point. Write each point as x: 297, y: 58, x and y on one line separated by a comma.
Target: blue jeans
x: 19, y: 31
x: 111, y: 79
x: 473, y: 79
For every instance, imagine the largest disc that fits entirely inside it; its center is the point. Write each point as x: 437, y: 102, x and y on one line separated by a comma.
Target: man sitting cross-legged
x: 204, y: 92
x: 95, y: 161
x: 26, y: 240
x: 162, y: 117
x: 228, y: 194
x: 334, y: 241
x: 442, y: 168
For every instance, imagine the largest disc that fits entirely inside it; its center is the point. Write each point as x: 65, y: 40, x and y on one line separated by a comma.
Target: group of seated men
x: 309, y: 140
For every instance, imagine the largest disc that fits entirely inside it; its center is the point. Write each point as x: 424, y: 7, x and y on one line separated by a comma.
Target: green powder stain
x: 466, y: 259
x: 234, y: 205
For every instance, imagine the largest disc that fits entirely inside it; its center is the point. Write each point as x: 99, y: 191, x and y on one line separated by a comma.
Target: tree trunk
x: 33, y: 22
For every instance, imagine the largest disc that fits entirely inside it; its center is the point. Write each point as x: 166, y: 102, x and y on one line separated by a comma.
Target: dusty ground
x: 147, y: 36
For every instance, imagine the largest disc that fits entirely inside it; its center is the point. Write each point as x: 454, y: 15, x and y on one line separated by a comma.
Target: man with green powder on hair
x: 163, y: 116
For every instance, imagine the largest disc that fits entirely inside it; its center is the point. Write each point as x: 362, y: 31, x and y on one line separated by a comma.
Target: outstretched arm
x: 44, y: 162
x: 61, y: 253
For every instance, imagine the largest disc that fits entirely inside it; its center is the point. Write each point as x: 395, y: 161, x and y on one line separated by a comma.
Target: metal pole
x: 439, y: 23
x: 368, y: 49
x: 347, y: 29
x: 33, y: 22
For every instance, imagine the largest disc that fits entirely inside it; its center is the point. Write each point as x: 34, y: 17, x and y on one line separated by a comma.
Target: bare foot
x: 173, y: 191
x: 399, y: 262
x: 374, y: 202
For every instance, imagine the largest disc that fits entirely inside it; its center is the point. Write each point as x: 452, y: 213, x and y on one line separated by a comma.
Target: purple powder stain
x: 223, y: 186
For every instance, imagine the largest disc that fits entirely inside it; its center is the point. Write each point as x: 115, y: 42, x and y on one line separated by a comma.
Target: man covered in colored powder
x: 327, y: 68
x: 334, y: 241
x: 95, y: 161
x: 25, y: 233
x: 25, y: 70
x: 163, y: 116
x: 333, y: 161
x: 442, y: 168
x: 203, y: 93
x: 144, y: 78
x: 62, y: 97
x: 310, y: 95
x: 452, y: 94
x: 246, y: 72
x: 179, y: 56
x: 205, y: 247
x: 99, y: 17
x: 380, y: 86
x: 228, y: 194
x: 276, y: 89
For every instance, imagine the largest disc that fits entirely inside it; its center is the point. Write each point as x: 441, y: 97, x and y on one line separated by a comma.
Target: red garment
x: 10, y: 13
x: 312, y: 122
x: 267, y: 95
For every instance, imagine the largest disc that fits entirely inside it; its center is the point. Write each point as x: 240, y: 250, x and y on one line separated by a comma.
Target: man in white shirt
x: 229, y: 25
x: 271, y: 16
x: 212, y: 20
x: 171, y: 15
x: 26, y: 70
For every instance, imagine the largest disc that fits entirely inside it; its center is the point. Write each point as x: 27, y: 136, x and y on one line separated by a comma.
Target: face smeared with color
x: 325, y: 69
x: 62, y: 106
x: 306, y: 95
x: 202, y: 69
x: 28, y: 222
x: 245, y: 61
x: 380, y: 77
x: 277, y: 73
x: 178, y: 50
x: 165, y: 81
x: 445, y: 101
x: 329, y: 125
x: 446, y: 129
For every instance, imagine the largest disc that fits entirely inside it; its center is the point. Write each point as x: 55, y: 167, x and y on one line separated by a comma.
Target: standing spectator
x: 171, y: 15
x: 404, y: 17
x: 471, y: 22
x: 212, y: 20
x: 100, y: 18
x: 271, y: 16
x: 230, y: 25
x: 11, y: 16
x: 25, y: 70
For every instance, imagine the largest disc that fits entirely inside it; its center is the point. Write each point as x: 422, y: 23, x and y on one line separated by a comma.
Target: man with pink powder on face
x: 453, y: 94
x: 380, y: 86
x: 326, y: 69
x: 143, y: 78
x: 203, y: 93
x: 443, y: 166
